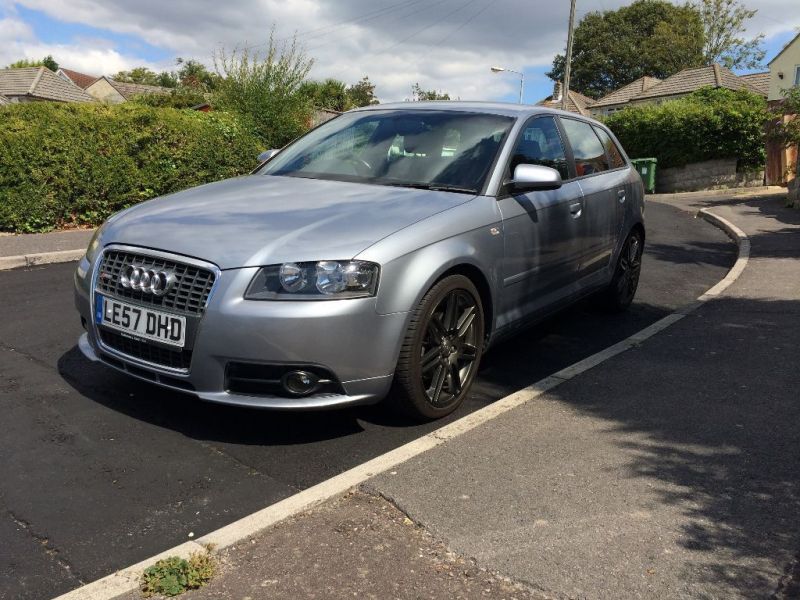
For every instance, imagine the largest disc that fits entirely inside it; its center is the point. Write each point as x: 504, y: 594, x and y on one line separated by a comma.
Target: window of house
x: 590, y: 156
x: 612, y: 150
x: 797, y: 75
x: 540, y: 145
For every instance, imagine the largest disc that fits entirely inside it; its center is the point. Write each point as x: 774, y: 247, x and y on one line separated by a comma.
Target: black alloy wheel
x: 441, y: 351
x: 620, y: 293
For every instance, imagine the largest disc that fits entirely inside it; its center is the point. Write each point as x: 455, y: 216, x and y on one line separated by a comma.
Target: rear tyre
x: 441, y: 351
x: 620, y: 292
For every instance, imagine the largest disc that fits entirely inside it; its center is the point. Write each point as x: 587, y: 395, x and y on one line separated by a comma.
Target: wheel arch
x: 479, y: 280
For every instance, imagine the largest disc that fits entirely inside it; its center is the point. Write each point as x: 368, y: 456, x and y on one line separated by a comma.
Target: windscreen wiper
x: 436, y: 187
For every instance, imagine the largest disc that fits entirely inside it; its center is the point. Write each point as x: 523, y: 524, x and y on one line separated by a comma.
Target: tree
x: 330, y: 94
x: 419, y: 95
x: 195, y: 75
x: 47, y: 61
x: 265, y: 87
x: 141, y: 75
x: 615, y: 47
x: 723, y: 23
x: 50, y: 63
x: 362, y: 93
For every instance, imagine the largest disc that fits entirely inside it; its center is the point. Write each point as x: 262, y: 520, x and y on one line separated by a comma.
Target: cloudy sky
x: 443, y: 44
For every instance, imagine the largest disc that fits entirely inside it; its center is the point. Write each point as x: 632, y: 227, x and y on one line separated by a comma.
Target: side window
x: 540, y: 144
x: 590, y: 156
x: 611, y: 149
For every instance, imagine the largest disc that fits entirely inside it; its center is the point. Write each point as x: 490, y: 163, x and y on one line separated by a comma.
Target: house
x: 784, y: 73
x: 108, y: 90
x: 82, y: 80
x: 784, y: 70
x: 760, y: 81
x: 34, y: 84
x: 576, y: 102
x: 650, y: 90
x: 619, y: 99
x: 321, y: 115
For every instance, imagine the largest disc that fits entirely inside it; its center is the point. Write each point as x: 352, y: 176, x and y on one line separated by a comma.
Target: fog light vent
x: 300, y: 383
x: 292, y: 381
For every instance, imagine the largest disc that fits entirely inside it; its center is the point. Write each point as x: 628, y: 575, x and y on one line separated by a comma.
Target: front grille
x: 175, y: 359
x: 189, y: 295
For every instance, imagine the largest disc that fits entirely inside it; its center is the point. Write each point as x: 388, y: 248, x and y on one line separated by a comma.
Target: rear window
x: 590, y: 156
x: 611, y: 149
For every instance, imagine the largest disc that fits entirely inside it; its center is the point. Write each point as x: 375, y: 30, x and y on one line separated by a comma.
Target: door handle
x: 621, y: 195
x: 575, y: 209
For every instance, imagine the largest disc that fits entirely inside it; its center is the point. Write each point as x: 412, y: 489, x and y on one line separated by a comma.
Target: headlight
x: 324, y: 280
x: 94, y: 244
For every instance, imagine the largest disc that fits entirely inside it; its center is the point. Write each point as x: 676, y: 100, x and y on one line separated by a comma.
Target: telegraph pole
x: 567, y: 65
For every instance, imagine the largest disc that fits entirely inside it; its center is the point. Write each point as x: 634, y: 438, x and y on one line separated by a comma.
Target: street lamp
x: 521, y: 78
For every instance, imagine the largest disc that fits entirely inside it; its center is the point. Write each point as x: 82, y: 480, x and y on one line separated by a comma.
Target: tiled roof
x: 760, y: 81
x: 576, y: 102
x: 624, y: 94
x: 82, y: 80
x: 128, y: 90
x: 689, y: 80
x: 42, y: 83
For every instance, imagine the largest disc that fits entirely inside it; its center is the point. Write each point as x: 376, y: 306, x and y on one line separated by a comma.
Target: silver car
x: 379, y: 255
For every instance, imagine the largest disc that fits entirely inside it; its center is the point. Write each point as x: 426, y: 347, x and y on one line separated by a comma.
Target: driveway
x: 101, y: 471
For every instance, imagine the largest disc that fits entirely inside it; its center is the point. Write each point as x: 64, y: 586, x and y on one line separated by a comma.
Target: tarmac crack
x: 51, y: 551
x: 30, y: 357
x: 789, y: 584
x: 240, y: 464
x: 531, y: 587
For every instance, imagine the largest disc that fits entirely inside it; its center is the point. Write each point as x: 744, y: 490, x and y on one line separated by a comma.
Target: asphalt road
x: 99, y: 471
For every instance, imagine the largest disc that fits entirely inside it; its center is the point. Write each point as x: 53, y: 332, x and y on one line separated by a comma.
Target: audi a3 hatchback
x: 378, y: 255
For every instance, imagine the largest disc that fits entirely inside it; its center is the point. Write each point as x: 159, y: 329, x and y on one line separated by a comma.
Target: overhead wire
x: 464, y: 24
x: 428, y: 6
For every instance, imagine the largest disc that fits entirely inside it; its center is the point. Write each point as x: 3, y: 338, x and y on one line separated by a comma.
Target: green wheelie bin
x: 646, y: 167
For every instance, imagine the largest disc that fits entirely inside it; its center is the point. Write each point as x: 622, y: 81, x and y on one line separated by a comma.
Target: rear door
x: 540, y: 228
x: 599, y: 226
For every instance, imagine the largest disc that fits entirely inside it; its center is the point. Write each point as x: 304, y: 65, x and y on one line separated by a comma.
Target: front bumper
x: 347, y: 337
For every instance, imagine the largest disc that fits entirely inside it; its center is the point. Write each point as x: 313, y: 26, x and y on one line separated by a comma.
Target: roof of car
x: 497, y: 108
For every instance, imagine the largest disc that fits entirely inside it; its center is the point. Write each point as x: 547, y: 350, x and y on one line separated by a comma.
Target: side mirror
x: 267, y: 154
x: 528, y: 178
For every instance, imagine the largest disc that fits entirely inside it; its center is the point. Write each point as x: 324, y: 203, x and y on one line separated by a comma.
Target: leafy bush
x: 179, y: 97
x: 77, y: 164
x: 708, y: 124
x: 265, y: 86
x: 173, y: 575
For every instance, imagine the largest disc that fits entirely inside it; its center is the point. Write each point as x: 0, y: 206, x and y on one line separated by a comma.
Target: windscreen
x: 429, y: 149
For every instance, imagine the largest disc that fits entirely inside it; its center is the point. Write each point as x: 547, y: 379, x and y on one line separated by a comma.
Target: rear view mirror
x: 528, y: 178
x: 267, y: 154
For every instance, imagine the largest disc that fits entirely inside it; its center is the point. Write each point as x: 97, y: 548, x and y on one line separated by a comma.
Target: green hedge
x: 64, y: 164
x: 708, y: 124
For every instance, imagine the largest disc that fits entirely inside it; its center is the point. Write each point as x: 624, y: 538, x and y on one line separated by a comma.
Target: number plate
x: 142, y: 322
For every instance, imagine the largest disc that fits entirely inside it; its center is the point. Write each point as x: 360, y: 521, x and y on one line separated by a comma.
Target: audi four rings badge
x: 149, y: 281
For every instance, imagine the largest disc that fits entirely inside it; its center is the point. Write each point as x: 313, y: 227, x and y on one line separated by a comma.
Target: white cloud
x: 443, y: 44
x: 17, y: 41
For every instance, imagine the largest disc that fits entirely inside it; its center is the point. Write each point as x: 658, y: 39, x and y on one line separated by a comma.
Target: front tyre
x: 441, y: 350
x: 619, y: 294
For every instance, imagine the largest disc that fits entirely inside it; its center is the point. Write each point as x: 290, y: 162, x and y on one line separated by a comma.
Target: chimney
x: 557, y: 97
